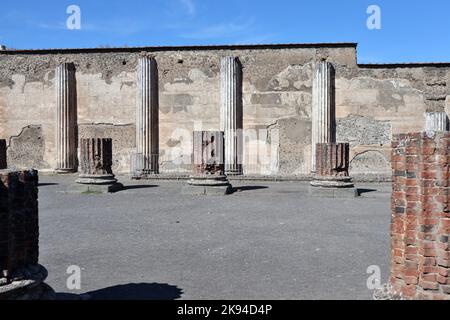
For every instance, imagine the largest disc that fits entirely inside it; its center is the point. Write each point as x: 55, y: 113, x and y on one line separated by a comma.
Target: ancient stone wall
x: 420, y: 228
x: 372, y: 103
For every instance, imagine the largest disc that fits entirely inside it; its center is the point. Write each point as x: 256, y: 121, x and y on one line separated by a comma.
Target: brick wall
x: 19, y: 225
x: 420, y: 227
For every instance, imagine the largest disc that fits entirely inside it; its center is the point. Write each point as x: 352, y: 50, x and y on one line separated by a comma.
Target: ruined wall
x: 375, y: 102
x: 372, y: 103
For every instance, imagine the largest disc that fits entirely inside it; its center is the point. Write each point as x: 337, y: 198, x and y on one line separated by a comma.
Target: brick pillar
x: 209, y: 166
x: 19, y: 227
x: 208, y: 153
x: 332, y: 164
x: 420, y: 224
x: 3, y: 156
x: 95, y: 167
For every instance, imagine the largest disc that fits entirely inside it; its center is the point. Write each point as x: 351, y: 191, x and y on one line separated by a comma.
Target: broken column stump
x: 420, y: 218
x: 3, y: 155
x: 21, y: 276
x: 332, y: 178
x: 96, y: 175
x: 208, y: 176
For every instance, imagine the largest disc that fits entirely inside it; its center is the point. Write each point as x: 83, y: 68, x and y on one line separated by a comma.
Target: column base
x: 144, y: 174
x: 28, y: 284
x: 332, y: 182
x: 65, y: 171
x: 332, y: 187
x: 95, y: 184
x: 319, y: 192
x: 207, y: 185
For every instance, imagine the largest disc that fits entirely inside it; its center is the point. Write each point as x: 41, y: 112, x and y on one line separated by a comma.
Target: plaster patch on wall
x: 368, y: 93
x: 294, y: 145
x: 27, y: 149
x: 293, y: 78
x: 358, y: 130
x: 370, y: 162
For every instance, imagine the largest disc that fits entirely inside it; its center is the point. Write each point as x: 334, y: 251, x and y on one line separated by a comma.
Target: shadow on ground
x: 248, y: 188
x: 363, y: 191
x: 140, y: 186
x: 47, y: 184
x: 131, y: 291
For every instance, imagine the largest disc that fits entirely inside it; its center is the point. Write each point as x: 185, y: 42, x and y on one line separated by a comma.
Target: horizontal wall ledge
x: 183, y: 48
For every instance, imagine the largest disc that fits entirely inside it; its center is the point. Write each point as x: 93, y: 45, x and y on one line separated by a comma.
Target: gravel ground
x: 268, y: 240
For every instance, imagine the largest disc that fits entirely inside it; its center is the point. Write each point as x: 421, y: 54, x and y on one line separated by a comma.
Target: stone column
x: 147, y: 117
x: 66, y: 118
x: 436, y: 121
x: 21, y: 277
x: 231, y: 113
x: 208, y: 176
x: 323, y: 108
x: 3, y: 154
x: 420, y: 221
x: 95, y: 167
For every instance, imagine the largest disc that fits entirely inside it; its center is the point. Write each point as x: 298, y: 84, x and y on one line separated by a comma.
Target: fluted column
x: 147, y: 118
x: 66, y: 118
x: 231, y: 122
x: 436, y: 121
x: 323, y: 108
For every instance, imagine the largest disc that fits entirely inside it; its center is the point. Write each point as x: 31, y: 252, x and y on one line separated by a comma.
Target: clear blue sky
x: 412, y: 31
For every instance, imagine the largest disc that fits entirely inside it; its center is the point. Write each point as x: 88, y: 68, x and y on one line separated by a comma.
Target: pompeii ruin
x: 208, y: 114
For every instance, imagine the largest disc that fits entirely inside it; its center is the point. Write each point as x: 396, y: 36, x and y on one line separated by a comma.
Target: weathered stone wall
x: 372, y: 103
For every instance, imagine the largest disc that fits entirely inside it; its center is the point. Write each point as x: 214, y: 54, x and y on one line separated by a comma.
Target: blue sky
x: 412, y: 31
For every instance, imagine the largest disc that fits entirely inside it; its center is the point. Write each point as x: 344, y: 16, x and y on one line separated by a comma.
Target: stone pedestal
x: 420, y: 219
x: 331, y: 178
x: 208, y: 176
x: 66, y: 121
x: 231, y: 114
x: 96, y: 175
x: 3, y: 154
x: 323, y: 108
x: 21, y: 276
x: 147, y: 119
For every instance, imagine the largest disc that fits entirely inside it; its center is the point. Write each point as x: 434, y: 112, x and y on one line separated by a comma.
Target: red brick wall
x: 420, y: 227
x: 19, y: 225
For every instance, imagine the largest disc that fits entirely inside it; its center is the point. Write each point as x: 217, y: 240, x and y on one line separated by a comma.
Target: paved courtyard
x: 268, y: 240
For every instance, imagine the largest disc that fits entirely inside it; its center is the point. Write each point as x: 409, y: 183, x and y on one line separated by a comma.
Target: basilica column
x: 147, y: 118
x: 323, y: 108
x: 231, y: 117
x: 66, y: 118
x: 436, y: 121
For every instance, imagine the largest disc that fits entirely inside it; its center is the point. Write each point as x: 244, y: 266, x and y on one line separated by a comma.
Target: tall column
x: 323, y: 108
x: 66, y: 118
x: 147, y: 118
x: 231, y: 117
x: 436, y: 121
